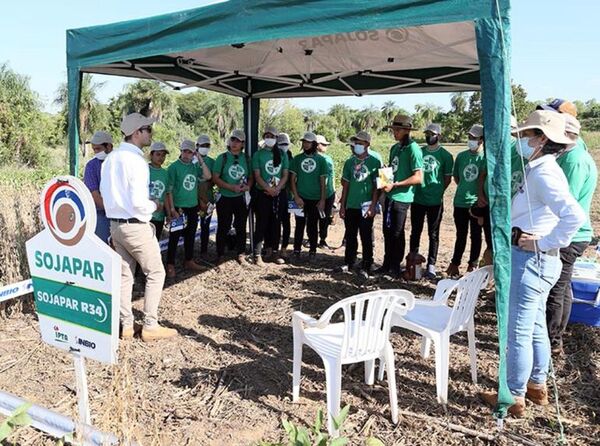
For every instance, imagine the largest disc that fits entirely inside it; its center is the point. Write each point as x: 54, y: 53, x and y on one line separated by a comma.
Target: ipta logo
x: 66, y: 210
x: 85, y: 343
x: 58, y: 336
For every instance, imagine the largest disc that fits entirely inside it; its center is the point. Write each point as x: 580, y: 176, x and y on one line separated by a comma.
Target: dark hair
x: 276, y: 155
x: 128, y: 138
x: 551, y: 147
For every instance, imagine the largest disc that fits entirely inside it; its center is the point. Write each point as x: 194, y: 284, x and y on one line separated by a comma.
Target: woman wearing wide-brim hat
x: 544, y: 216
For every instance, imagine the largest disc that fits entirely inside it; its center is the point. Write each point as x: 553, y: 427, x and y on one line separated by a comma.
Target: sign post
x: 76, y: 280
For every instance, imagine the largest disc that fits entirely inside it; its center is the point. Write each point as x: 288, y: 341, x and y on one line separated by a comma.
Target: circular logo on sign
x: 361, y: 173
x: 157, y: 188
x: 67, y: 210
x: 189, y: 182
x: 396, y: 35
x: 471, y: 172
x: 236, y: 171
x: 308, y: 165
x: 395, y: 162
x: 272, y: 170
x: 430, y: 163
x: 516, y: 181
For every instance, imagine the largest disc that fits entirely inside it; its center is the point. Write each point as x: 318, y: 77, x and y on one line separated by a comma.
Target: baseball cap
x: 310, y: 137
x: 133, y: 122
x: 561, y: 106
x: 401, y: 121
x: 272, y: 130
x: 283, y: 138
x: 434, y: 128
x: 100, y: 137
x: 552, y: 124
x: 203, y: 139
x: 322, y: 140
x: 187, y: 144
x: 238, y: 134
x: 362, y: 136
x: 158, y: 147
x: 476, y: 130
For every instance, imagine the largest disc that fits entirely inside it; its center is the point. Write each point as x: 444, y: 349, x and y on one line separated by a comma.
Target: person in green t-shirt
x: 429, y: 196
x: 467, y: 166
x: 206, y: 192
x: 582, y: 175
x: 159, y: 179
x: 283, y: 142
x: 270, y: 167
x: 233, y: 176
x: 406, y: 161
x: 308, y: 183
x: 325, y: 222
x: 182, y: 190
x: 359, y: 202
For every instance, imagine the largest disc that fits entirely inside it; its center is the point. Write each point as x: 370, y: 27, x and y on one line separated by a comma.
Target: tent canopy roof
x: 269, y: 48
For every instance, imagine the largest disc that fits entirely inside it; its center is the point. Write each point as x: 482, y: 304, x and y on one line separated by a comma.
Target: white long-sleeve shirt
x: 124, y: 184
x: 555, y: 214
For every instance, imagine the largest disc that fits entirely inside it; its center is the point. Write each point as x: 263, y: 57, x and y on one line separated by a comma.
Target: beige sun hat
x: 552, y: 124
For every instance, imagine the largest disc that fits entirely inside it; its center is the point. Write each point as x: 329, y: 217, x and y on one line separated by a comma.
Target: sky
x: 555, y: 47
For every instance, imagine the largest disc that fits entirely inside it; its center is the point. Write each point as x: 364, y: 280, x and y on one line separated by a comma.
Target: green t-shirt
x: 404, y: 160
x: 582, y: 176
x: 159, y: 179
x: 262, y: 160
x: 517, y: 164
x: 467, y: 167
x: 361, y: 176
x: 309, y: 169
x: 232, y: 169
x: 437, y: 165
x: 183, y: 183
x: 330, y: 182
x: 210, y: 162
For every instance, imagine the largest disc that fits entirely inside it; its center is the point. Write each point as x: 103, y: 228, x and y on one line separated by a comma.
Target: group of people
x: 553, y: 178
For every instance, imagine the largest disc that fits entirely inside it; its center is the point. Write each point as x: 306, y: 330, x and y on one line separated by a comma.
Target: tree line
x: 26, y: 131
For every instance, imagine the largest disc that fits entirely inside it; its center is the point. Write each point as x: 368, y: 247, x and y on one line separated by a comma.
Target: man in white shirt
x: 124, y: 186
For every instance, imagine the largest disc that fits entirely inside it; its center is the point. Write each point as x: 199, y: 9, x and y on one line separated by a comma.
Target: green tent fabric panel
x: 496, y: 99
x: 74, y: 78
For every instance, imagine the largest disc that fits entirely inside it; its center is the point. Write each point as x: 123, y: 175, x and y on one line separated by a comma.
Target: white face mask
x: 101, y: 156
x: 284, y: 147
x: 523, y: 147
x: 203, y: 151
x: 270, y: 142
x: 473, y: 145
x: 358, y: 149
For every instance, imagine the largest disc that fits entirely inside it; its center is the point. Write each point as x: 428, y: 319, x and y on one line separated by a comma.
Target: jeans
x: 268, y: 229
x: 227, y: 207
x: 394, y: 216
x: 325, y: 222
x: 417, y: 221
x: 102, y: 225
x: 355, y: 223
x: 560, y: 299
x: 463, y: 222
x: 204, y: 233
x: 311, y: 220
x: 189, y: 236
x: 528, y: 352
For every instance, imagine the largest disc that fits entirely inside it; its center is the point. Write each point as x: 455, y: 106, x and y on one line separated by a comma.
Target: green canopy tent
x: 294, y: 48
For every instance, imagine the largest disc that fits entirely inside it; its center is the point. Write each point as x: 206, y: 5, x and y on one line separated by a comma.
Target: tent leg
x: 251, y: 116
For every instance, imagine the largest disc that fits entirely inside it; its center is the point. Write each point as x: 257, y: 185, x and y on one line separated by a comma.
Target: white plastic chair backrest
x: 444, y: 289
x: 467, y: 292
x: 367, y: 319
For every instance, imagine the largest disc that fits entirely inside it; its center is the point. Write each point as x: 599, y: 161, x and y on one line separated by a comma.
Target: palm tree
x: 389, y: 110
x: 458, y: 102
x: 149, y: 98
x: 369, y: 118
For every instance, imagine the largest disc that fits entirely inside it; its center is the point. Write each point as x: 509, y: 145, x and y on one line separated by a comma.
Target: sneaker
x: 157, y: 333
x: 517, y: 410
x: 343, y: 269
x: 268, y: 255
x: 258, y: 261
x: 171, y: 272
x: 312, y: 256
x: 127, y: 332
x: 190, y: 265
x: 382, y: 270
x: 430, y: 272
x: 323, y: 244
x: 278, y: 258
x: 537, y: 393
x: 364, y: 274
x: 471, y: 268
x: 453, y: 270
x: 305, y: 243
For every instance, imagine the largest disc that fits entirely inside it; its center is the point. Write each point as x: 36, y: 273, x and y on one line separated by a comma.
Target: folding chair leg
x: 296, y: 367
x: 370, y: 372
x: 381, y: 370
x: 442, y: 345
x: 333, y: 378
x: 425, y: 347
x: 391, y: 373
x: 472, y: 351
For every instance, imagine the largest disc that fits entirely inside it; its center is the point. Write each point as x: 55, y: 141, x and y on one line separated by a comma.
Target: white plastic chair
x: 436, y: 322
x: 362, y: 336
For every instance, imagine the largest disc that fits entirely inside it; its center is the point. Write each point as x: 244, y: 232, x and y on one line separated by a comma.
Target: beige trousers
x: 136, y: 243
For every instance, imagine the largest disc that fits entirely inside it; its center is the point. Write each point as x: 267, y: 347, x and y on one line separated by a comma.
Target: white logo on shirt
x: 361, y: 174
x: 430, y: 163
x: 395, y: 163
x: 189, y: 182
x: 157, y: 188
x: 516, y: 181
x: 471, y: 172
x: 308, y: 165
x: 236, y: 171
x: 272, y: 170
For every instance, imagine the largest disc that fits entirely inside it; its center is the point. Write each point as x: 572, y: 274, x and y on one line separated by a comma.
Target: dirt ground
x: 226, y: 379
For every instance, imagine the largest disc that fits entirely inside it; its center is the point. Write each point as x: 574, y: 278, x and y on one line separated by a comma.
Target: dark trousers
x: 285, y: 221
x: 418, y: 212
x: 394, y: 215
x: 355, y: 223
x: 463, y: 222
x: 487, y: 228
x: 227, y: 208
x: 204, y: 233
x: 560, y: 298
x: 325, y: 222
x: 189, y: 236
x: 158, y: 225
x: 311, y: 221
x: 268, y: 229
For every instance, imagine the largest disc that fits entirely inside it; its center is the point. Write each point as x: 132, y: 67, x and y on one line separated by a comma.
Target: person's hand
x: 203, y: 206
x: 321, y: 205
x: 528, y: 242
x: 159, y: 206
x: 342, y: 212
x: 299, y: 201
x: 371, y: 210
x: 270, y: 191
x: 388, y: 187
x: 174, y: 215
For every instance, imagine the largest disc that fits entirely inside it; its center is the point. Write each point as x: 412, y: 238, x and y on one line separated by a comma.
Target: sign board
x: 76, y: 277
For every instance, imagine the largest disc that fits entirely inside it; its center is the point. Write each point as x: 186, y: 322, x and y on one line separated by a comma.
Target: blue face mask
x: 359, y: 149
x: 523, y: 148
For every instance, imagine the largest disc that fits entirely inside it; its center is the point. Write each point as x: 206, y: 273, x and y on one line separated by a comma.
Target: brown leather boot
x: 157, y: 333
x: 517, y: 410
x: 191, y: 265
x: 537, y: 393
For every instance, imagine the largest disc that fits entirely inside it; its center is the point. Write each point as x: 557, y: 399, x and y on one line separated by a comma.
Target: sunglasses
x: 203, y: 145
x: 146, y: 129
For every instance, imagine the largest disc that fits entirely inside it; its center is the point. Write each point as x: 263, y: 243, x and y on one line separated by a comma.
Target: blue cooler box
x: 586, y: 294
